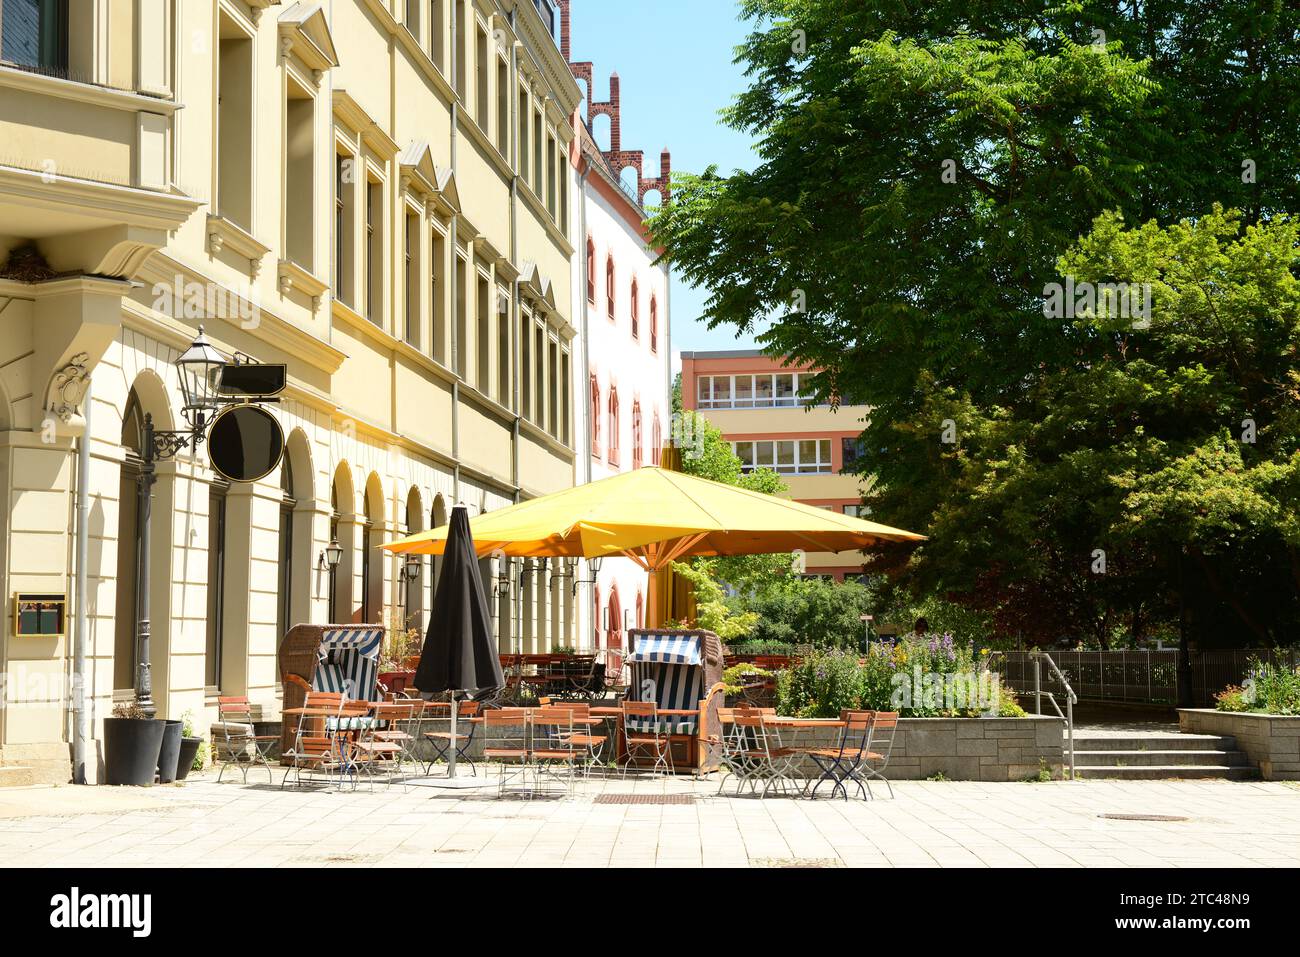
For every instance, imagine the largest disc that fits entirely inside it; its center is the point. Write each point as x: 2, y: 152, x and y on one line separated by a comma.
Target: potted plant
x: 190, y: 759
x: 401, y: 647
x: 132, y: 743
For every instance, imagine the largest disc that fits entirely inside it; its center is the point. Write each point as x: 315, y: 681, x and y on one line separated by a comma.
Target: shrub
x: 1232, y: 698
x: 733, y: 679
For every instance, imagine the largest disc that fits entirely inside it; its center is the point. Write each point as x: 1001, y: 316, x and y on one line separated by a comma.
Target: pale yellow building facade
x: 375, y: 193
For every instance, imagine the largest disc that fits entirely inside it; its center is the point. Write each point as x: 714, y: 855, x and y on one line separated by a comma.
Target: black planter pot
x: 131, y: 747
x: 189, y: 748
x: 169, y: 752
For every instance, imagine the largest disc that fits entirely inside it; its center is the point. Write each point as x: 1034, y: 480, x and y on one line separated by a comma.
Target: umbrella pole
x: 451, y: 758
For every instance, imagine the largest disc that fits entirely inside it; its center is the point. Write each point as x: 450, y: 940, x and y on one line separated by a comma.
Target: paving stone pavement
x: 927, y: 824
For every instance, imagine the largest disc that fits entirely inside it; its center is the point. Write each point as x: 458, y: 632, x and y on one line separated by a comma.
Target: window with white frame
x: 786, y: 456
x: 761, y: 391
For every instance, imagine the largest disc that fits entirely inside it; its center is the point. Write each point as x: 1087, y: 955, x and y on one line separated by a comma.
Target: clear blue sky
x: 674, y: 60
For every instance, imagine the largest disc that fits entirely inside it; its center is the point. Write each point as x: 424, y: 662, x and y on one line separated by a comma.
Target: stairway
x: 1149, y: 756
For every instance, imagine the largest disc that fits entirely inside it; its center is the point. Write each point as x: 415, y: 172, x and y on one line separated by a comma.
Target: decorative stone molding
x: 223, y: 234
x: 291, y: 276
x: 68, y: 388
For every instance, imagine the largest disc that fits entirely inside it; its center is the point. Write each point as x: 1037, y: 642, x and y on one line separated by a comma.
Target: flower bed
x: 1271, y: 741
x: 917, y: 677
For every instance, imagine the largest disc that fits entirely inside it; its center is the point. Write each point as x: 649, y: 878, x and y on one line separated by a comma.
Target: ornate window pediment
x: 305, y: 33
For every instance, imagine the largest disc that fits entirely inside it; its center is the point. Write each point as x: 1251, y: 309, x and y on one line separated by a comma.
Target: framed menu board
x: 39, y: 615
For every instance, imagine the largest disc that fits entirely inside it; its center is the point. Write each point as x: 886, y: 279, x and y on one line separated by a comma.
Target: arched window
x: 609, y: 285
x: 654, y: 324
x: 595, y: 416
x: 635, y: 306
x: 372, y: 569
x: 614, y: 630
x: 613, y: 425
x: 591, y: 270
x: 656, y: 442
x: 284, y: 583
x: 636, y: 434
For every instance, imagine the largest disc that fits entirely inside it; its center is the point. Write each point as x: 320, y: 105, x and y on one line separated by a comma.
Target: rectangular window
x: 481, y: 67
x: 786, y: 456
x: 564, y: 191
x: 413, y: 279
x: 566, y: 398
x: 503, y: 348
x: 856, y: 511
x: 722, y: 392
x: 458, y: 51
x: 482, y: 308
x: 762, y: 390
x: 526, y: 365
x: 537, y: 154
x: 299, y: 176
x: 503, y: 107
x: 539, y: 373
x: 522, y: 145
x: 553, y: 378
x: 462, y: 320
x: 234, y: 129
x: 413, y: 18
x: 344, y: 224
x: 437, y: 34
x: 784, y: 389
x: 704, y: 392
x: 34, y: 33
x: 743, y: 391
x: 551, y: 193
x: 216, y: 583
x: 438, y: 295
x: 375, y: 252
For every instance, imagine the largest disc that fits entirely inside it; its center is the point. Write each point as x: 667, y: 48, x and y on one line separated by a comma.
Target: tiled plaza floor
x: 927, y: 824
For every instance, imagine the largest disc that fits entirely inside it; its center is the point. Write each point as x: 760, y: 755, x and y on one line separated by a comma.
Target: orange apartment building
x: 763, y: 410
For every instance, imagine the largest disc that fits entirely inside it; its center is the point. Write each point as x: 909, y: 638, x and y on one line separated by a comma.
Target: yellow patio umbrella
x: 654, y: 517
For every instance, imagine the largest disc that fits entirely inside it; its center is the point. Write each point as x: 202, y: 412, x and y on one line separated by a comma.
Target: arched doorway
x: 128, y: 545
x: 297, y: 512
x: 413, y: 588
x: 343, y: 523
x: 372, y: 566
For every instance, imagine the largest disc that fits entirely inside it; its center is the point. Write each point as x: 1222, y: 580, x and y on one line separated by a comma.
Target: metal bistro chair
x: 643, y: 736
x: 553, y: 746
x: 374, y: 749
x: 762, y: 756
x: 240, y: 745
x: 880, y: 745
x: 313, y: 744
x: 734, y: 744
x: 842, y: 762
x: 505, y: 740
x: 589, y: 745
x: 442, y: 740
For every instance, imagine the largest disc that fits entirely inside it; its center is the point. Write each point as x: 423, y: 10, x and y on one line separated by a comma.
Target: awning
x: 667, y: 650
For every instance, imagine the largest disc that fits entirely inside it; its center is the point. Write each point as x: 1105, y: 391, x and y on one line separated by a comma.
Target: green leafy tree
x: 923, y: 170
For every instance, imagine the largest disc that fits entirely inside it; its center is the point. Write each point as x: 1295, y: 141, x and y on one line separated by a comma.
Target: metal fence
x: 1139, y: 677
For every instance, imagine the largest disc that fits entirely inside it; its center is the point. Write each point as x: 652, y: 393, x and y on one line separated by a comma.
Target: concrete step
x: 1172, y: 758
x: 1150, y: 772
x: 1161, y: 742
x: 16, y: 776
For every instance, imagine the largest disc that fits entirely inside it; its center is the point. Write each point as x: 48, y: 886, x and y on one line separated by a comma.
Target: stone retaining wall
x: 961, y: 749
x: 1271, y: 741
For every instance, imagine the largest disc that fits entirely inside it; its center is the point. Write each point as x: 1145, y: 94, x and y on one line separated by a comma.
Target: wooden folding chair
x: 239, y: 744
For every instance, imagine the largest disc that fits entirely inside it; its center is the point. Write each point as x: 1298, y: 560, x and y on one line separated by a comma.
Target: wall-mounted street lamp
x: 329, y: 559
x: 200, y: 368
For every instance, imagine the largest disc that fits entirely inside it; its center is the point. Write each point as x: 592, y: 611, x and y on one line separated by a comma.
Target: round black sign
x: 245, y: 443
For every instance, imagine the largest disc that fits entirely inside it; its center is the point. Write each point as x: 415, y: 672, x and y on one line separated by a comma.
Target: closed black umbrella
x: 459, y: 651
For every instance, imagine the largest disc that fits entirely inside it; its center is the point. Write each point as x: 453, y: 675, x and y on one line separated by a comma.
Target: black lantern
x: 333, y: 554
x: 411, y: 567
x: 200, y: 368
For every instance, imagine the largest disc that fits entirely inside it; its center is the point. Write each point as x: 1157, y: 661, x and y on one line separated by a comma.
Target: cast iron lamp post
x: 200, y: 368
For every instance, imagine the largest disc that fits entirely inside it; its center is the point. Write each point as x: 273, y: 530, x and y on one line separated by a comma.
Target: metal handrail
x: 1071, y: 699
